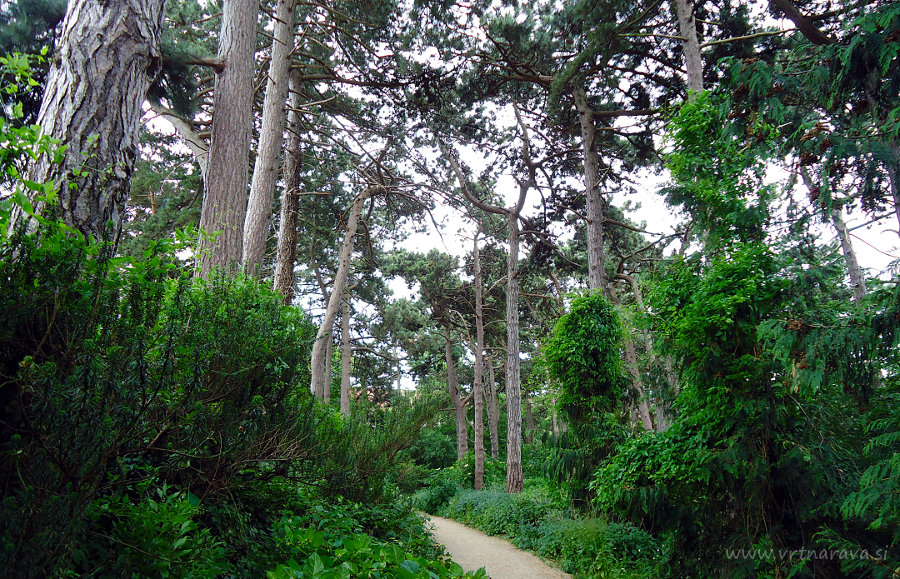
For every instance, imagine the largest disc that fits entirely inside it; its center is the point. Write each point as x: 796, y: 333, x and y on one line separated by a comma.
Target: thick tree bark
x: 857, y: 279
x: 271, y: 140
x: 459, y: 403
x: 594, y: 202
x: 478, y: 384
x: 693, y: 62
x: 107, y: 56
x: 225, y: 190
x: 317, y: 362
x: 346, y: 355
x: 290, y: 199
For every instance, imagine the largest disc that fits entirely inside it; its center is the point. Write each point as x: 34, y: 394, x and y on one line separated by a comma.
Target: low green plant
x: 344, y: 539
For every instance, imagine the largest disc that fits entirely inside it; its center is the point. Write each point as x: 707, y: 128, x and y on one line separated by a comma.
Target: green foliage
x: 339, y: 541
x: 29, y: 27
x: 116, y: 372
x: 717, y: 171
x: 157, y: 537
x: 582, y: 356
x: 439, y: 489
x: 433, y: 449
x: 538, y: 521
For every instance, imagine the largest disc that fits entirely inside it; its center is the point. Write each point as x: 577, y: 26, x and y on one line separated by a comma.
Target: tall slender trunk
x: 693, y: 62
x: 631, y: 361
x: 554, y: 420
x: 346, y: 354
x: 594, y: 202
x: 317, y: 362
x: 529, y: 417
x: 856, y: 275
x: 477, y: 386
x: 493, y: 411
x: 107, y: 56
x: 514, y: 476
x: 225, y: 188
x: 271, y: 140
x: 894, y: 176
x: 325, y: 394
x: 290, y: 200
x: 459, y: 403
x: 857, y: 279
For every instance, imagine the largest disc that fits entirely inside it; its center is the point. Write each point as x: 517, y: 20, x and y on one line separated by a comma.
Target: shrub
x: 541, y: 522
x: 344, y: 539
x: 123, y: 377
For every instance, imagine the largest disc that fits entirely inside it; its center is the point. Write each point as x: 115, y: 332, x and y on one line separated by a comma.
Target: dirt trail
x: 473, y: 549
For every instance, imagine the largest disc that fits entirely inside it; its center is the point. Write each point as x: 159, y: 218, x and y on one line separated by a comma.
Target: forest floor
x: 473, y: 550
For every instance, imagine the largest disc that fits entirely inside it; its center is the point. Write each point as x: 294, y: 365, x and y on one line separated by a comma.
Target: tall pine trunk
x: 323, y: 336
x: 225, y: 190
x: 493, y: 405
x: 693, y: 61
x: 271, y: 140
x: 107, y: 55
x: 459, y: 403
x: 346, y: 355
x: 593, y: 200
x: 478, y: 382
x: 290, y: 198
x: 514, y: 475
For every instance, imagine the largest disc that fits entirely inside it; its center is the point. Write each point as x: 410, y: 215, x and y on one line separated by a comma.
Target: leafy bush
x: 439, y: 489
x: 123, y: 377
x: 433, y: 449
x: 342, y: 540
x: 538, y: 521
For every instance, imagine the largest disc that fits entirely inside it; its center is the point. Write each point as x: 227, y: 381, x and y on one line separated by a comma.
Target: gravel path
x: 473, y: 550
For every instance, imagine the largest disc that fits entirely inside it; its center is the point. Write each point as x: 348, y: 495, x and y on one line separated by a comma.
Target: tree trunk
x: 325, y: 394
x: 857, y: 279
x: 631, y: 361
x: 594, y: 202
x: 529, y: 417
x: 290, y: 199
x: 346, y: 355
x: 271, y: 140
x: 893, y: 167
x: 693, y: 62
x: 477, y: 386
x: 317, y: 362
x: 192, y: 139
x: 225, y: 188
x: 856, y: 275
x: 459, y: 404
x: 493, y: 412
x: 107, y: 56
x: 514, y: 475
x: 554, y: 421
